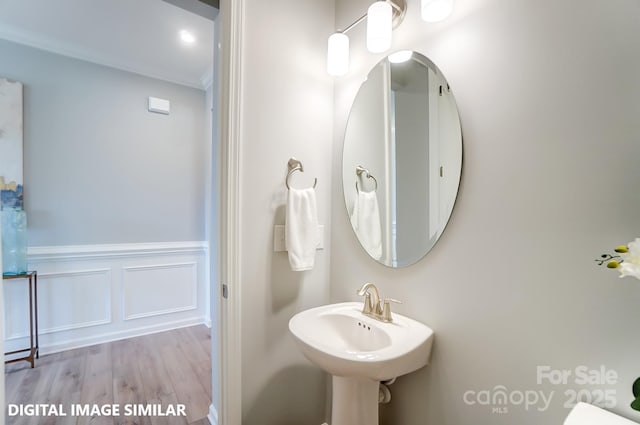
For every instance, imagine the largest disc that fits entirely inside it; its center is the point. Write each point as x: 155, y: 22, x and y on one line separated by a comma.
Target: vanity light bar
x: 338, y: 50
x: 379, y: 27
x: 378, y: 32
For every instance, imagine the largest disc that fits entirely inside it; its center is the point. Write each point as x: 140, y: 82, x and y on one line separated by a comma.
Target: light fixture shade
x: 436, y: 10
x: 400, y: 56
x: 379, y: 27
x: 338, y: 54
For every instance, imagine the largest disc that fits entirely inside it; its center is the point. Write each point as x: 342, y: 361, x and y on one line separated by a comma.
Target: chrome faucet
x: 371, y: 299
x: 373, y: 307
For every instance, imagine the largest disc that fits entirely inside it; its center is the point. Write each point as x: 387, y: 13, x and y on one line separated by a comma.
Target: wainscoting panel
x: 89, y: 291
x: 159, y: 289
x: 99, y: 293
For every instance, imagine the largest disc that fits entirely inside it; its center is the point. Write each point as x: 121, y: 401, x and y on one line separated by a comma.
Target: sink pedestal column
x: 354, y: 401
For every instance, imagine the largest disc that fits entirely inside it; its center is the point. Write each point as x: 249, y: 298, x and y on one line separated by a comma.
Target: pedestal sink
x: 359, y: 352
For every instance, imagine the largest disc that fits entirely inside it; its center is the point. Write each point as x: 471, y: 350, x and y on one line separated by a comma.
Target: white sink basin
x: 344, y: 342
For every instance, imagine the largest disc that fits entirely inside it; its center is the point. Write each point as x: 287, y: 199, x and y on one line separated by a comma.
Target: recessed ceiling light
x: 187, y: 37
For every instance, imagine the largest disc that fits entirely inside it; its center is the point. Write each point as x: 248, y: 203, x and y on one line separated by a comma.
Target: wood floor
x: 167, y: 368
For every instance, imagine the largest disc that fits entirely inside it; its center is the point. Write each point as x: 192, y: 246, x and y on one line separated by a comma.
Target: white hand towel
x: 301, y: 228
x: 365, y: 219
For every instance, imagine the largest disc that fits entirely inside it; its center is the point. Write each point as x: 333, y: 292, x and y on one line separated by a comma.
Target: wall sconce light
x: 338, y: 54
x: 379, y: 17
x: 436, y: 10
x: 383, y: 17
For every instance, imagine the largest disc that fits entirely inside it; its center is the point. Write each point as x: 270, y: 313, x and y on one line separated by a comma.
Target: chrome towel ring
x: 295, y: 165
x: 359, y: 170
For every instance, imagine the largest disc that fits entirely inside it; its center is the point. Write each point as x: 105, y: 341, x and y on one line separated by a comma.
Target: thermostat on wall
x: 161, y: 106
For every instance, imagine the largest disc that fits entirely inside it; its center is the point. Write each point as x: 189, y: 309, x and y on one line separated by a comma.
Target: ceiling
x: 140, y: 36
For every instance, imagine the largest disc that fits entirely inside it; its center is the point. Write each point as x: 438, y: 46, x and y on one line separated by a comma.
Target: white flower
x: 630, y: 265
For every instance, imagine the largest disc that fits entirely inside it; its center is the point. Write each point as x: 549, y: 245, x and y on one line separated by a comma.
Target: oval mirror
x: 402, y: 159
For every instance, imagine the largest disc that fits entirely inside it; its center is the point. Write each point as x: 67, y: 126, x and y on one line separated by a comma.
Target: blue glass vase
x: 14, y: 241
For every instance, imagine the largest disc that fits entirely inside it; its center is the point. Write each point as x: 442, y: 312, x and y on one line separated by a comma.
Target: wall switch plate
x: 279, y: 244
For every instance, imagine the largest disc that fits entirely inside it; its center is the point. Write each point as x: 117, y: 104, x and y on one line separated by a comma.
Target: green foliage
x: 635, y: 405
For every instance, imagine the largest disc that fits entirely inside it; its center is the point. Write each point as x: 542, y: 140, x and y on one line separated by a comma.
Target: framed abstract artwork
x: 11, y: 135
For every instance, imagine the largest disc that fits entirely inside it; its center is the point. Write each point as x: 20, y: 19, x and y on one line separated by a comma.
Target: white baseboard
x: 116, y: 336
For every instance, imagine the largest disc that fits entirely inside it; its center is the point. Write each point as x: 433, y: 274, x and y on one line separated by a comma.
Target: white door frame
x: 230, y: 136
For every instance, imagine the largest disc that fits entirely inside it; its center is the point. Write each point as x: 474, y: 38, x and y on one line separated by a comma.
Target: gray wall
x: 99, y: 168
x: 549, y: 102
x: 286, y: 110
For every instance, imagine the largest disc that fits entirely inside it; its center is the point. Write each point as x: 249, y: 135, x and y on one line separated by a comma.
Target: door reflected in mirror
x: 402, y: 159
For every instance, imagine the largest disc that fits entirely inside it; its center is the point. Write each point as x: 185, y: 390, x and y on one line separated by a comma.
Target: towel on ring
x: 301, y: 228
x: 365, y: 220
